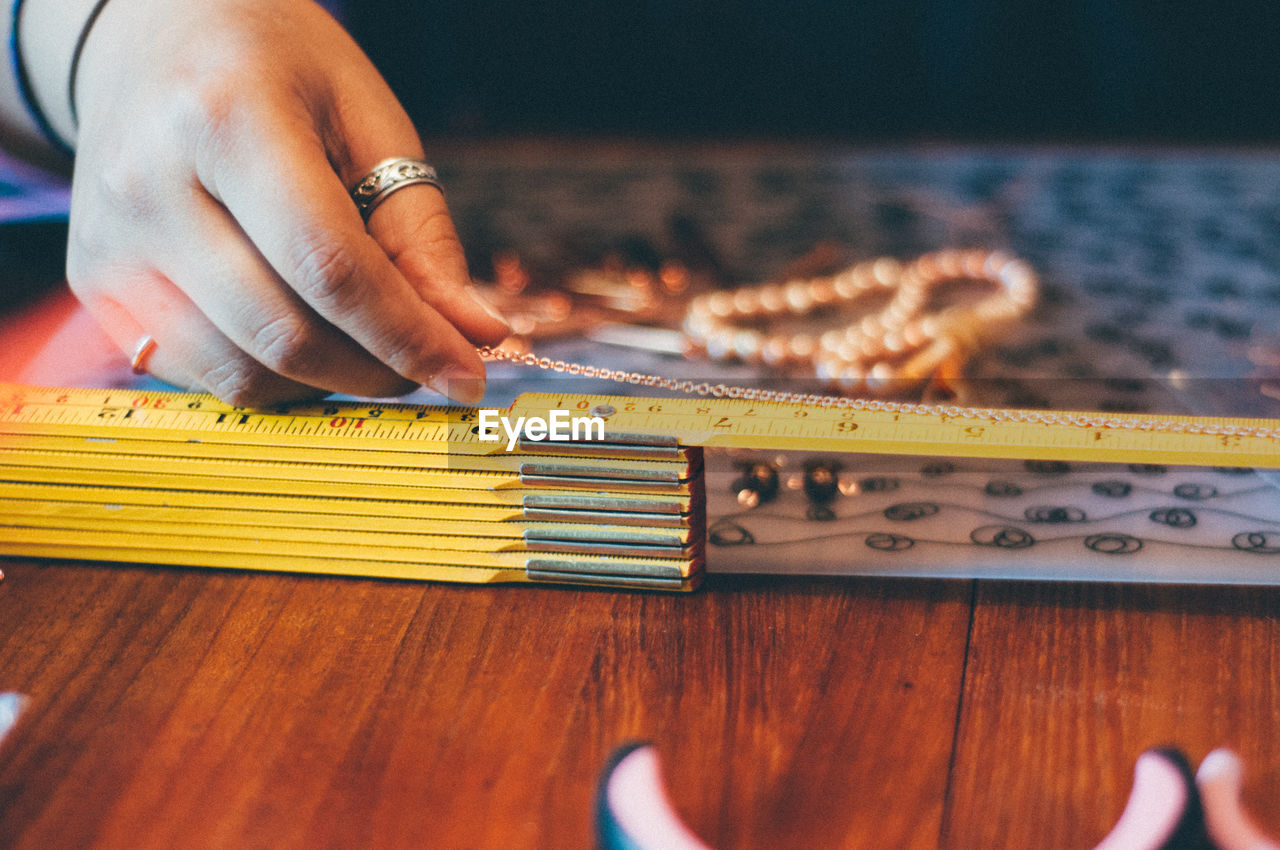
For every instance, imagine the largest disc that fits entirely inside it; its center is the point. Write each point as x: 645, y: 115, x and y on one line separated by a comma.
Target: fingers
x: 231, y: 283
x: 190, y: 351
x: 308, y: 229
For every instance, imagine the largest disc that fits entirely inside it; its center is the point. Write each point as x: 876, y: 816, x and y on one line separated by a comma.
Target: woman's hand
x: 210, y: 209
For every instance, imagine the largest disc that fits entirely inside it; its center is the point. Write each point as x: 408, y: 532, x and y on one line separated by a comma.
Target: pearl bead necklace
x: 879, y: 351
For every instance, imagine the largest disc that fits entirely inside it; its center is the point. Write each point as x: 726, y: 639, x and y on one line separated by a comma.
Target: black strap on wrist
x: 75, y: 57
x: 25, y: 91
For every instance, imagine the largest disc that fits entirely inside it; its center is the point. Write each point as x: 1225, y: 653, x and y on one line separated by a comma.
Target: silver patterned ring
x: 388, y: 176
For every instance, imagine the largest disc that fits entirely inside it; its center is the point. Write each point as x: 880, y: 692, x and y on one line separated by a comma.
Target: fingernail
x: 459, y: 383
x: 489, y: 309
x: 1221, y: 762
x: 11, y: 705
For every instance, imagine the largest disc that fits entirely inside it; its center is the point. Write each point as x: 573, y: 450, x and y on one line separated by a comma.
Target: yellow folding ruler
x: 877, y: 427
x: 392, y: 490
x: 413, y: 491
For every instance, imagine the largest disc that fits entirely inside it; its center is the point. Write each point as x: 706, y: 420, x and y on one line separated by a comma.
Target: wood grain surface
x: 191, y: 709
x: 212, y: 709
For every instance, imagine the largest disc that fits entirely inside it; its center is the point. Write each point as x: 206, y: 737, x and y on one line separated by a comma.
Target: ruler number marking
x: 157, y: 403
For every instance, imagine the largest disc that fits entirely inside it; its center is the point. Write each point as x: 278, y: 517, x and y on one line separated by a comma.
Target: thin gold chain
x: 946, y: 411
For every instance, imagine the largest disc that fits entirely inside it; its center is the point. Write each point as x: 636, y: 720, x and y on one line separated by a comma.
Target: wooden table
x: 188, y: 708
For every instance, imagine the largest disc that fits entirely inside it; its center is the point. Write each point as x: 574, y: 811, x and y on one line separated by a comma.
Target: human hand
x: 210, y: 210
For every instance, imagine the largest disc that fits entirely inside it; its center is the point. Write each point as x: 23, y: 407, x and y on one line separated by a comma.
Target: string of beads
x: 898, y: 345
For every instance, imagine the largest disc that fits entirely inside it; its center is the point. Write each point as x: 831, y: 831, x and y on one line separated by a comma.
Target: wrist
x: 50, y: 34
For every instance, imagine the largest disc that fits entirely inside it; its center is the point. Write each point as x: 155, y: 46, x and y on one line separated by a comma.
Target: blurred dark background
x: 885, y: 69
